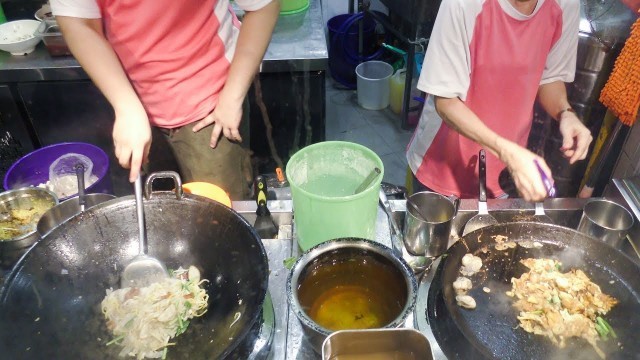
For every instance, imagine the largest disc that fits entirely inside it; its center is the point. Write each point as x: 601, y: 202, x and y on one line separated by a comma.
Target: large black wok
x: 50, y: 304
x: 491, y: 330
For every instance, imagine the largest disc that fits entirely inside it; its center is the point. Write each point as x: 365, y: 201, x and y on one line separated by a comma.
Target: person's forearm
x: 255, y: 35
x: 458, y: 116
x: 553, y: 98
x: 96, y: 56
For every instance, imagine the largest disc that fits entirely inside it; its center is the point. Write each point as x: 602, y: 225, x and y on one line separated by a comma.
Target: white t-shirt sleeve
x: 86, y: 9
x: 561, y: 61
x: 253, y: 5
x: 446, y: 68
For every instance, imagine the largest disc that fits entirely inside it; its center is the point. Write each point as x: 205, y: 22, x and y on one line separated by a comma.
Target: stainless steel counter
x: 298, y: 47
x: 289, y: 342
x: 301, y: 48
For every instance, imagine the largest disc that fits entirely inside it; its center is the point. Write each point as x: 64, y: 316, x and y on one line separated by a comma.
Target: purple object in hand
x: 33, y: 168
x: 548, y: 183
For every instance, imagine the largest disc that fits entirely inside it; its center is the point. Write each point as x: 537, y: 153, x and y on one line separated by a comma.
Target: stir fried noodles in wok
x: 561, y: 305
x: 144, y: 320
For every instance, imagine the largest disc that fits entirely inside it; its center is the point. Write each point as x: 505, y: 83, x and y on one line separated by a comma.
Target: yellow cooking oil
x: 357, y: 293
x: 349, y: 307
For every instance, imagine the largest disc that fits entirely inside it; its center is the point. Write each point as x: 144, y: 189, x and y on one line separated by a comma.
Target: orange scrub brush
x: 621, y: 95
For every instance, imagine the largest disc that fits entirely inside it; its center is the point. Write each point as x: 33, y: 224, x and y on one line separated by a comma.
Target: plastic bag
x: 62, y: 173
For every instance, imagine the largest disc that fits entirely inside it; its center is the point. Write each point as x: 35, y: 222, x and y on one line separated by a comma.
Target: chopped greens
x: 116, y: 340
x: 288, y: 262
x: 604, y: 329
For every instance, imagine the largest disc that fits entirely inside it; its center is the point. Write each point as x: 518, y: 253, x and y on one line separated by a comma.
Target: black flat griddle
x: 491, y: 330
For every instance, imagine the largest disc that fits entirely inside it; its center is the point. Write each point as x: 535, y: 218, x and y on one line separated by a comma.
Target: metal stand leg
x: 406, y: 97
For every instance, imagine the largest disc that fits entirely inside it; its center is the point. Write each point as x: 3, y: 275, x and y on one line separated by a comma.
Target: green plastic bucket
x: 323, y: 179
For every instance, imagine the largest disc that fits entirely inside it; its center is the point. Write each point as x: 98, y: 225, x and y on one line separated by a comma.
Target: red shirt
x: 176, y: 53
x: 494, y: 59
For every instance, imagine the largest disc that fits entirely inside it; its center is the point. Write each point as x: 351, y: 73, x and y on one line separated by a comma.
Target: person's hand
x: 575, y: 137
x: 132, y: 138
x: 225, y: 118
x: 523, y: 170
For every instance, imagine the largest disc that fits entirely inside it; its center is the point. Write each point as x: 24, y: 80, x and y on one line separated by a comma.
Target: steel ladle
x: 143, y: 269
x: 82, y: 201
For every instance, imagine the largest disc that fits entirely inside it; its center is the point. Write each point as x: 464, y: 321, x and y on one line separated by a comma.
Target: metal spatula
x: 264, y: 224
x: 482, y: 218
x: 540, y: 216
x: 143, y: 269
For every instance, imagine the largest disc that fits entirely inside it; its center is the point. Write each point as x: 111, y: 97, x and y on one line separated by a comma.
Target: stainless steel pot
x: 21, y: 199
x: 336, y: 251
x: 67, y: 209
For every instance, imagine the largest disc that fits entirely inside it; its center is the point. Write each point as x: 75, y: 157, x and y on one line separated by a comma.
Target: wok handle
x: 148, y: 185
x: 482, y: 172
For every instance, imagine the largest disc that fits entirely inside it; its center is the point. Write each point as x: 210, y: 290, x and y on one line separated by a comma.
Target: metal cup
x: 427, y: 227
x: 606, y: 220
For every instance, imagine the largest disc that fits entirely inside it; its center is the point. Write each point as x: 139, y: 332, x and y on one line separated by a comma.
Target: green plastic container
x: 293, y: 6
x: 323, y: 179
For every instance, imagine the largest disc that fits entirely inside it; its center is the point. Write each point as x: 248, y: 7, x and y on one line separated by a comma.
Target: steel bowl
x: 333, y: 254
x: 22, y: 199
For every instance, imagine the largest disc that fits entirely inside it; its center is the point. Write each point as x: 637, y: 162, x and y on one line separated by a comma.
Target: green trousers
x: 228, y: 165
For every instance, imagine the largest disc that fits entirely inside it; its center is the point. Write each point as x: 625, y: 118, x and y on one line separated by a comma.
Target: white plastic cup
x: 374, y: 84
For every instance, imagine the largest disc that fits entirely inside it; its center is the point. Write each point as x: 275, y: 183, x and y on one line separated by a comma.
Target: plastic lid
x: 211, y: 191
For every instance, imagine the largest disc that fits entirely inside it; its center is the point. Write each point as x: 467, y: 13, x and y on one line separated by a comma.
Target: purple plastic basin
x: 33, y: 168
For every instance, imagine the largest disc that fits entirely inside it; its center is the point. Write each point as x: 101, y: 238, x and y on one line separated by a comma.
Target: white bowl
x: 19, y: 37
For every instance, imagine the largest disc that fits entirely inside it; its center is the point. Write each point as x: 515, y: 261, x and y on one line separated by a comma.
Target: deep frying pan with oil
x: 50, y: 304
x: 491, y: 330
